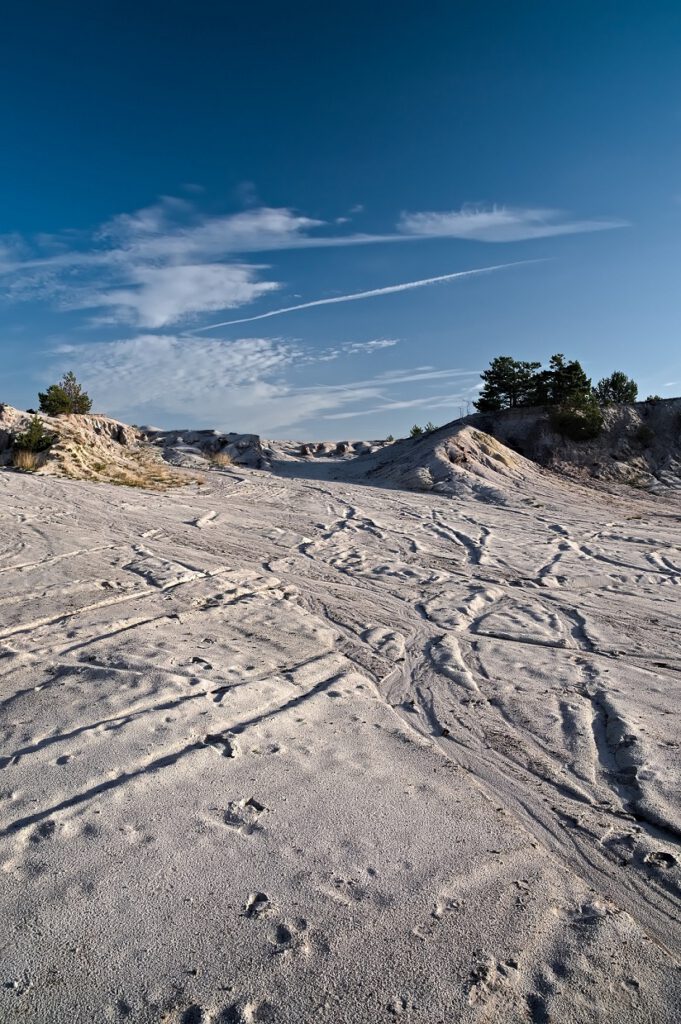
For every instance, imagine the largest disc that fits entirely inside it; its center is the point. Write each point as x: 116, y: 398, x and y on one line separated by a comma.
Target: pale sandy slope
x: 294, y: 750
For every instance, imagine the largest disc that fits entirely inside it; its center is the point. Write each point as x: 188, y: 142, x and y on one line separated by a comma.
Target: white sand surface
x: 278, y: 749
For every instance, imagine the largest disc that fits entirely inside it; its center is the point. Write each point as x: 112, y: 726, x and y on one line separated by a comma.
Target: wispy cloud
x: 499, y: 224
x: 246, y: 385
x: 212, y: 382
x: 372, y: 293
x: 449, y: 401
x: 169, y: 263
x: 158, y: 296
x: 174, y: 228
x: 353, y: 348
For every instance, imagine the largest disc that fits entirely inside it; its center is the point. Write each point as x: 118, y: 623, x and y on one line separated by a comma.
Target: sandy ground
x: 294, y: 750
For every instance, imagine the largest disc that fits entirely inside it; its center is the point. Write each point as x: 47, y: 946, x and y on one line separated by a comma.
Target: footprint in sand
x: 45, y: 830
x: 257, y: 904
x: 442, y: 907
x: 223, y: 743
x: 291, y: 938
x: 487, y: 978
x: 242, y: 815
x: 661, y: 859
x: 194, y: 1015
x: 248, y: 1013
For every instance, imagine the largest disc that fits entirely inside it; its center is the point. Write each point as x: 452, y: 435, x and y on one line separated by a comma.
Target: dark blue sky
x: 310, y: 151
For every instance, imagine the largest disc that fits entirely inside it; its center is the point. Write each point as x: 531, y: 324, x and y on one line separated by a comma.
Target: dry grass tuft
x: 221, y: 459
x: 129, y: 467
x: 28, y: 461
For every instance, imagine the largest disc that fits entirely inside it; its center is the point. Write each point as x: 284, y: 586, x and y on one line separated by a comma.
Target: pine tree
x: 65, y: 397
x: 508, y: 383
x: 35, y: 438
x: 568, y: 384
x: 617, y: 388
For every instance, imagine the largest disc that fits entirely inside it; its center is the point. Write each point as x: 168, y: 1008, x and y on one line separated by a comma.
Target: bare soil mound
x: 90, y: 447
x: 455, y: 460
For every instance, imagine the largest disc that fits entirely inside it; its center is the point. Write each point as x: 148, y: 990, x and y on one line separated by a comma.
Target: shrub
x: 389, y: 439
x: 221, y: 459
x: 429, y: 428
x: 644, y: 434
x: 416, y: 431
x: 35, y: 438
x: 582, y: 422
x: 65, y: 397
x: 654, y: 398
x: 25, y: 459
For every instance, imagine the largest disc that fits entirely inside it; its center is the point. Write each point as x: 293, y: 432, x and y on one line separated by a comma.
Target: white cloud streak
x: 158, y: 296
x: 170, y: 262
x: 372, y: 293
x: 245, y: 385
x: 429, y: 401
x: 498, y: 224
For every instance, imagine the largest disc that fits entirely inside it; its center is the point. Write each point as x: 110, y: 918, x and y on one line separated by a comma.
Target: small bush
x: 582, y: 422
x: 389, y: 439
x: 416, y: 431
x: 654, y: 398
x: 221, y: 459
x: 26, y: 460
x: 35, y: 438
x: 429, y: 428
x: 644, y: 434
x: 65, y: 397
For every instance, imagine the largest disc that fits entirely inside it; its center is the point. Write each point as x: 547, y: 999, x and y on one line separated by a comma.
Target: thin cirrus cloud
x: 245, y: 385
x: 430, y: 401
x: 169, y: 262
x: 498, y: 224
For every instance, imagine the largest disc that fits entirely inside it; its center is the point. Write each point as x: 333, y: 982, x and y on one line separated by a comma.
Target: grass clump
x: 25, y: 460
x: 220, y: 459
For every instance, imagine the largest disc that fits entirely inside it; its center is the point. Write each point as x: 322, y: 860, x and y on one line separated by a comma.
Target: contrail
x: 366, y: 295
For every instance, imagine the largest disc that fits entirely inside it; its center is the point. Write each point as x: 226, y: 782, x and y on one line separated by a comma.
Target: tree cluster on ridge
x: 512, y: 383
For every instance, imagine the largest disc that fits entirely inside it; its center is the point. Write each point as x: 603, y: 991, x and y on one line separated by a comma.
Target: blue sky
x: 166, y: 167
